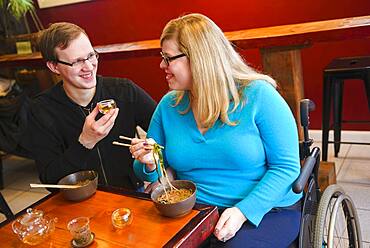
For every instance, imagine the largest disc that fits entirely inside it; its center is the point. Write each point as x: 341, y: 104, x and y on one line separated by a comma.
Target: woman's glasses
x: 92, y: 57
x: 168, y: 59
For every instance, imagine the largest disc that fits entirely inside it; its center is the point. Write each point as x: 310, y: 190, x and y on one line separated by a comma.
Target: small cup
x: 121, y: 217
x: 80, y: 230
x: 106, y: 105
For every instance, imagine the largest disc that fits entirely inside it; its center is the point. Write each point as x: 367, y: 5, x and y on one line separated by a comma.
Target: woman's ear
x: 53, y: 66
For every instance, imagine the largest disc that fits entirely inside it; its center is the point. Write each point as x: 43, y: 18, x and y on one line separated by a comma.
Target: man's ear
x: 53, y: 67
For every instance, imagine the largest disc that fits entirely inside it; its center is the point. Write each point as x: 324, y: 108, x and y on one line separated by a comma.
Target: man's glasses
x: 168, y: 59
x: 92, y: 57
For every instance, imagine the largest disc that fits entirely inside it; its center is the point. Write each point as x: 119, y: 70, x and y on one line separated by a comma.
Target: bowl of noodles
x: 86, y: 183
x: 176, y: 199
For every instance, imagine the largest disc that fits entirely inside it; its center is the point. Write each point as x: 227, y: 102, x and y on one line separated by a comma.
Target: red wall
x: 117, y: 21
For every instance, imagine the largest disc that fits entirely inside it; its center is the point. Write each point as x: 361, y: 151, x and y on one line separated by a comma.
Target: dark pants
x: 278, y: 229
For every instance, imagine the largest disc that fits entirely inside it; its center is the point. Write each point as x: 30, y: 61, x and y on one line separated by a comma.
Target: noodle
x: 174, y: 195
x: 83, y: 182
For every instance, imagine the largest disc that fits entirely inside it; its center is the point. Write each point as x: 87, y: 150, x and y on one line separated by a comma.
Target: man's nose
x: 88, y: 65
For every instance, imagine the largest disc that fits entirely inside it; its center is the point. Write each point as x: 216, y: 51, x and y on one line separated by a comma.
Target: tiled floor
x: 353, y: 174
x: 18, y: 174
x: 352, y: 167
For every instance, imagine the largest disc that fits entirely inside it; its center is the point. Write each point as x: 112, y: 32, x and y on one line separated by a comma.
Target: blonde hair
x: 219, y: 73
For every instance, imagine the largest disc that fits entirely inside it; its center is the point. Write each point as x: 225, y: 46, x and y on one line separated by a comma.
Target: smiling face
x: 76, y: 77
x: 178, y: 73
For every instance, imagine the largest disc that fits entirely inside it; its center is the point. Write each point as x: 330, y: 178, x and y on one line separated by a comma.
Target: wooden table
x: 148, y: 228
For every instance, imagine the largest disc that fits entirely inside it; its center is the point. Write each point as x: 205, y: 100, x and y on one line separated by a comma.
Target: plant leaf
x: 20, y: 7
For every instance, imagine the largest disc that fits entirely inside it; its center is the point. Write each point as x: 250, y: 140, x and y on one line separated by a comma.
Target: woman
x: 225, y: 127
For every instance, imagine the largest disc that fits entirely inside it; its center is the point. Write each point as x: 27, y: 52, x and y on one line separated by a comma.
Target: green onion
x: 161, y: 170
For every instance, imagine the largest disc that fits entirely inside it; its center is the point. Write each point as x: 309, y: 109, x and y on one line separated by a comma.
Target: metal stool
x: 334, y: 75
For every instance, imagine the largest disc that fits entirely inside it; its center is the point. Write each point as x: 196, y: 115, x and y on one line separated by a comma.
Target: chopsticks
x: 147, y: 146
x: 125, y: 138
x: 122, y: 144
x: 58, y: 186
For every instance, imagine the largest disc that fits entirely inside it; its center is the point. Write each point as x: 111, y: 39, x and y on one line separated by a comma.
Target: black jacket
x: 56, y: 122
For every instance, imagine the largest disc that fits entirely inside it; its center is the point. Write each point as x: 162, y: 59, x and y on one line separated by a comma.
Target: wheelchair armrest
x: 306, y: 171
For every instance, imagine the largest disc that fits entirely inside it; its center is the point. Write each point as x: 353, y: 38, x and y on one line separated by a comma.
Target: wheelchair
x: 329, y: 219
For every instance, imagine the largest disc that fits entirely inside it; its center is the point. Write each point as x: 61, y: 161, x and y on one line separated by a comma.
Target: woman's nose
x: 162, y: 65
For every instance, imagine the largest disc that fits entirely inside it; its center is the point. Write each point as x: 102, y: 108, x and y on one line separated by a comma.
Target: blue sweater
x: 251, y: 166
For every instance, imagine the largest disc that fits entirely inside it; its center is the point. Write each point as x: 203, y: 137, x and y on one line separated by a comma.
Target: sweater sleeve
x: 155, y: 132
x: 278, y: 132
x: 46, y: 144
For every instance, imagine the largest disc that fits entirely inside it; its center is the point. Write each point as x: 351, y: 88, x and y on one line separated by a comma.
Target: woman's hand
x: 171, y: 176
x: 152, y: 186
x: 229, y: 223
x: 141, y: 149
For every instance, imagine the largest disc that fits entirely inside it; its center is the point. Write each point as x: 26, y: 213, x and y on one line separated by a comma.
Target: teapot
x: 33, y: 227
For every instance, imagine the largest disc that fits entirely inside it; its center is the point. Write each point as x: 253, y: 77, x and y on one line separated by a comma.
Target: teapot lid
x: 33, y: 216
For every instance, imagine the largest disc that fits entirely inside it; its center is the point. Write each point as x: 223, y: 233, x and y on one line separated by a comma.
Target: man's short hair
x: 58, y: 34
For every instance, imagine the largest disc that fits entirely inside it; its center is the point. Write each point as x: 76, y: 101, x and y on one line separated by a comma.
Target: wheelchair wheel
x: 337, y: 223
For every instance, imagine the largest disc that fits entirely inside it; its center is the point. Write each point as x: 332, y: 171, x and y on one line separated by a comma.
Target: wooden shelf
x: 302, y: 34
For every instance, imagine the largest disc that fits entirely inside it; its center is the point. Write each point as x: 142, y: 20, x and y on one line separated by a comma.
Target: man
x: 68, y: 133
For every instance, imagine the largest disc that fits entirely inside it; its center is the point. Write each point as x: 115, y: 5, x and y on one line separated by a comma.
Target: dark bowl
x: 179, y: 208
x: 83, y: 192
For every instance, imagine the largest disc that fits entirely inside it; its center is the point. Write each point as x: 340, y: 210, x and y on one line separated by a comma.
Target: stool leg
x: 367, y: 87
x: 337, y: 107
x: 1, y: 173
x: 327, y: 85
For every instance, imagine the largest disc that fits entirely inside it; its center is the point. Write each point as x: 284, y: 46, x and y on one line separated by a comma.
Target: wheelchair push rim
x: 336, y: 208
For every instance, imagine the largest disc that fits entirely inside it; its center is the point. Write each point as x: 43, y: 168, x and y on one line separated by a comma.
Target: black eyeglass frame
x: 90, y: 56
x: 168, y: 59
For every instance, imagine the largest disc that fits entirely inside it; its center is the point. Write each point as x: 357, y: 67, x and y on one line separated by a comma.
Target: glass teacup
x: 80, y: 230
x: 106, y: 105
x: 121, y: 217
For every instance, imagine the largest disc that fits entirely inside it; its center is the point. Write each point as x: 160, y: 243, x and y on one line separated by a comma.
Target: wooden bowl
x: 177, y: 209
x: 83, y: 192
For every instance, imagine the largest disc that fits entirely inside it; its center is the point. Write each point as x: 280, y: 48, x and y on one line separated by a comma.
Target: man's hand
x: 94, y: 131
x: 229, y: 223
